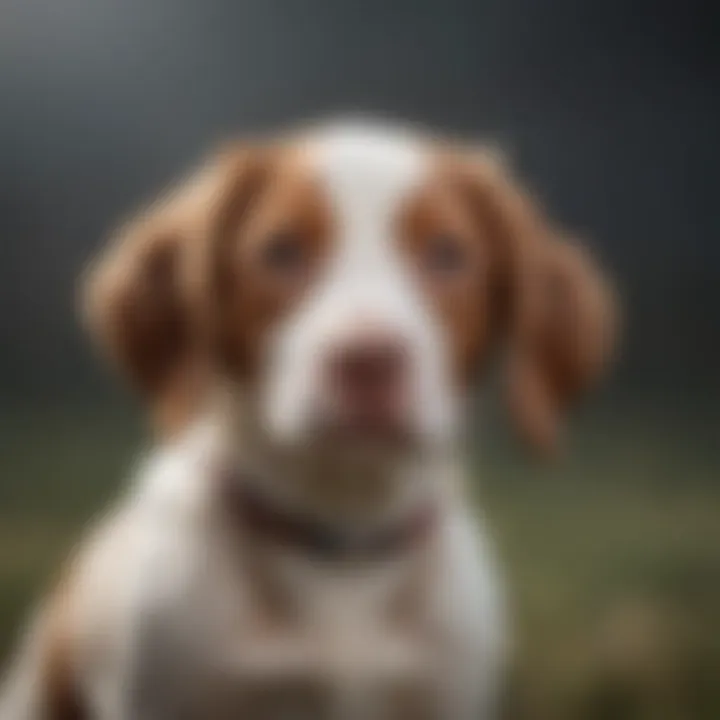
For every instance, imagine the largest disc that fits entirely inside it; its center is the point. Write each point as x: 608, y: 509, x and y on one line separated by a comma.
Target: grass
x: 612, y: 558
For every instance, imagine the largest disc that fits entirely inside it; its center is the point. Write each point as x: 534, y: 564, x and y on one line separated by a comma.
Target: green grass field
x: 612, y: 557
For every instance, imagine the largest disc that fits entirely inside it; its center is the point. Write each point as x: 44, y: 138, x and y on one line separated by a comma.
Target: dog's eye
x: 284, y: 252
x: 445, y: 255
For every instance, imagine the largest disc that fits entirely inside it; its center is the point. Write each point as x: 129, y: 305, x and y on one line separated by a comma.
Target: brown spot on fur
x: 522, y: 283
x: 182, y: 288
x: 143, y: 294
x: 567, y: 347
x: 252, y: 294
x: 467, y: 300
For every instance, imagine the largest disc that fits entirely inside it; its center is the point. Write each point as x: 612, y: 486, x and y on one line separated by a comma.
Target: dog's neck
x: 258, y: 514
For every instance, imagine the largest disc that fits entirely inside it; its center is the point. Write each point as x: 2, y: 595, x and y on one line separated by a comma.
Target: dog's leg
x: 23, y: 695
x: 149, y: 675
x: 471, y: 620
x: 41, y: 683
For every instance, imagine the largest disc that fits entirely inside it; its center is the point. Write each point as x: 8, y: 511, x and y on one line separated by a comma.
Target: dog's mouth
x: 373, y: 425
x: 369, y: 429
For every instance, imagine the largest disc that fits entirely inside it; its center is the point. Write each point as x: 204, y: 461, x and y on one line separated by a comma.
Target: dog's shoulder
x: 67, y: 630
x: 130, y: 563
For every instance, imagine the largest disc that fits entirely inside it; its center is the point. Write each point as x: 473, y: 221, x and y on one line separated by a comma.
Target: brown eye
x: 445, y: 255
x: 284, y: 253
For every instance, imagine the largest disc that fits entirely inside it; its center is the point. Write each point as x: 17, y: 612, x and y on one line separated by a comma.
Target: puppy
x: 305, y: 318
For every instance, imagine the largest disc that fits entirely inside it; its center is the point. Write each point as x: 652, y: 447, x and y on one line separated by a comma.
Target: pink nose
x: 368, y: 372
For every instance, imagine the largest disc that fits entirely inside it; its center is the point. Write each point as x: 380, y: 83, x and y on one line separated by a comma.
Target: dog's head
x: 355, y: 280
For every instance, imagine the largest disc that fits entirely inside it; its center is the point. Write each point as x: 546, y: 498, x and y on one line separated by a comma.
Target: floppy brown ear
x: 143, y: 297
x: 553, y: 305
x: 564, y: 345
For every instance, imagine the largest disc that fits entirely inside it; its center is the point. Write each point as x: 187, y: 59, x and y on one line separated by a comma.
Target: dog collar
x: 321, y: 540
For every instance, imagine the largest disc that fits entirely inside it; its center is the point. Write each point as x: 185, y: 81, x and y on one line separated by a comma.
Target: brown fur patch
x: 521, y: 283
x: 250, y: 293
x: 467, y: 300
x: 564, y: 351
x: 184, y: 287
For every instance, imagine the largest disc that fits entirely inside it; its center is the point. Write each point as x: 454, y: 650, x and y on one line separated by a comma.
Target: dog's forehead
x: 367, y: 171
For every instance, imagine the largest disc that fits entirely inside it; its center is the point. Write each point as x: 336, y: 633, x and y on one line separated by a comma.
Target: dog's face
x: 358, y: 353
x: 354, y: 280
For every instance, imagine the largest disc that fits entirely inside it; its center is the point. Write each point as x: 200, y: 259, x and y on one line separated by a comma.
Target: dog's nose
x: 368, y: 369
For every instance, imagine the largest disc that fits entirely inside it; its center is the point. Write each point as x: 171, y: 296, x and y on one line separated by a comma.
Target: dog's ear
x: 555, y: 307
x: 565, y: 342
x: 143, y: 297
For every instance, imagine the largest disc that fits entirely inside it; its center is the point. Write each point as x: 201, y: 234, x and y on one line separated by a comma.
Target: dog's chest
x: 339, y: 643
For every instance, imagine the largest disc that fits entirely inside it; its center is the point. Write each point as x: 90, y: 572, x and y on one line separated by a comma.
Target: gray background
x: 609, y: 108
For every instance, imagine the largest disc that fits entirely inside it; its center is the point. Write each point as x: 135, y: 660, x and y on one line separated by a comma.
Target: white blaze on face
x: 365, y: 174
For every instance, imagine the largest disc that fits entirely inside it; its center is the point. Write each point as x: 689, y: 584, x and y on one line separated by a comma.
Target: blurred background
x: 609, y: 109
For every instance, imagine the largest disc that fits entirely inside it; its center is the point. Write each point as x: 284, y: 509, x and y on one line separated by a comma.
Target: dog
x: 305, y: 319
